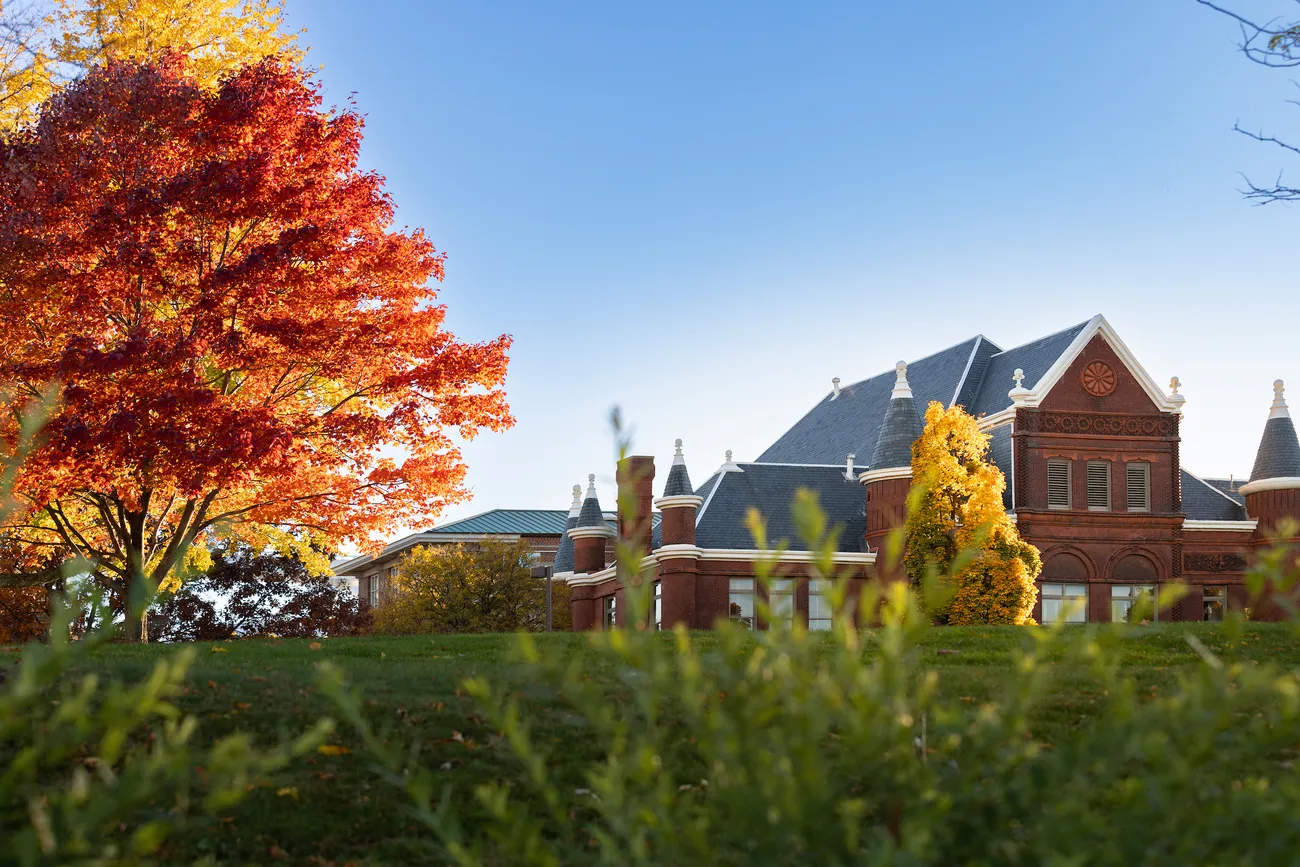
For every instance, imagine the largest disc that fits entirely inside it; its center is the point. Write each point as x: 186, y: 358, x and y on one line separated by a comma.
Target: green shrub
x: 102, y: 773
x: 785, y: 747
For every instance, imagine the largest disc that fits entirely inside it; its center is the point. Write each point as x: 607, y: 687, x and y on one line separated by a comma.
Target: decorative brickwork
x: 1214, y: 562
x: 1098, y: 378
x: 1098, y: 424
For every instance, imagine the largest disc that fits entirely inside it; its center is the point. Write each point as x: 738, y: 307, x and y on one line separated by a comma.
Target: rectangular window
x: 609, y: 614
x: 1215, y: 602
x: 819, y: 605
x: 1065, y: 603
x: 740, y: 605
x: 659, y: 605
x: 1099, y: 486
x: 1124, y: 596
x: 780, y: 598
x: 1058, y: 484
x: 374, y: 590
x: 1139, y: 486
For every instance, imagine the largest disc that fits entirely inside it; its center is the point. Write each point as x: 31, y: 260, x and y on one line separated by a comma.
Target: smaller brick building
x: 542, y: 529
x: 1087, y: 440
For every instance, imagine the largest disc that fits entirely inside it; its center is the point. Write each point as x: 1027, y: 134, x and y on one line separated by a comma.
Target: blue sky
x: 702, y: 212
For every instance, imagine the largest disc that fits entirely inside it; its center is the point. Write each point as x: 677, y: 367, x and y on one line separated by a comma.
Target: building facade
x: 541, y: 529
x: 1087, y: 440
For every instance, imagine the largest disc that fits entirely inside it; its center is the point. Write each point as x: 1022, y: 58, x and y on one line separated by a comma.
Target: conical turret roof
x: 590, y: 514
x: 564, y: 554
x: 1279, y: 450
x: 900, y: 428
x: 679, y: 481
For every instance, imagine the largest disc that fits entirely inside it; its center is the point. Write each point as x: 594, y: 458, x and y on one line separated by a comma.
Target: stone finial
x: 1279, y: 408
x: 591, y: 486
x: 901, y: 388
x: 678, y: 457
x: 1018, y: 394
x: 835, y: 387
x: 729, y: 460
x: 1174, y: 397
x: 577, y: 495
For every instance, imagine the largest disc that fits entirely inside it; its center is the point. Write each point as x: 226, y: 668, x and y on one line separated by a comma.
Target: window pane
x: 1215, y: 592
x: 1076, y: 590
x: 1051, y: 610
x: 781, y: 600
x: 741, y: 601
x: 1052, y: 589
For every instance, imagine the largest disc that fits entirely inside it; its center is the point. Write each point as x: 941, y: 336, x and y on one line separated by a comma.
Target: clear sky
x: 702, y: 212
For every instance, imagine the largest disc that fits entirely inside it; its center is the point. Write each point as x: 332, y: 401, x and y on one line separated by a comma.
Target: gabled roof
x: 1034, y: 358
x: 523, y: 522
x: 850, y: 422
x: 1203, y: 501
x: 771, y: 489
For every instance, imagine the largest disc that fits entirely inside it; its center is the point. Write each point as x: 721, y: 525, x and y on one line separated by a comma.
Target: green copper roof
x: 525, y: 522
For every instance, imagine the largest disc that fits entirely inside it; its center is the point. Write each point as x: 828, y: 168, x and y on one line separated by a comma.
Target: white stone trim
x: 755, y: 555
x: 1281, y: 483
x: 997, y: 419
x: 1235, y: 526
x: 678, y: 552
x: 602, y: 532
x: 870, y: 476
x: 681, y: 501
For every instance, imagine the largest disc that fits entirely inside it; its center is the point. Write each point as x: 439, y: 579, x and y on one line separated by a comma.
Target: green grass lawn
x: 334, y: 809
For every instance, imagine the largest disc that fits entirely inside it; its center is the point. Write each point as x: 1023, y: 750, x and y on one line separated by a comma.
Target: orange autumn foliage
x: 243, y: 344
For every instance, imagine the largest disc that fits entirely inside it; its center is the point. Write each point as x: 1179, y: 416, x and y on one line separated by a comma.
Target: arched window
x: 1065, y: 589
x: 1136, y: 577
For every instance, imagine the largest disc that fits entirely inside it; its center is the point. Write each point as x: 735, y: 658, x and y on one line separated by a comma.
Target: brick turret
x: 678, y: 554
x: 888, y: 478
x: 588, y: 534
x: 1273, y: 492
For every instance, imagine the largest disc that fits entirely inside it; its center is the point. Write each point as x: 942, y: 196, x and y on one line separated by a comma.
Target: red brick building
x: 1088, y: 442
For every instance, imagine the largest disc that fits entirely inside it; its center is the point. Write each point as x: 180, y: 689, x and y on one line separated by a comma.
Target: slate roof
x: 525, y: 522
x: 900, y: 428
x: 591, y: 515
x: 850, y: 423
x: 1203, y: 501
x: 1000, y: 455
x: 975, y: 373
x: 1229, y: 487
x: 564, y: 554
x: 1279, y: 451
x: 1034, y: 358
x: 771, y: 489
x: 679, y: 482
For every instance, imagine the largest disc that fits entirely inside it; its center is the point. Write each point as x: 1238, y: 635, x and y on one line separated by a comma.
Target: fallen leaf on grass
x: 242, y: 705
x: 219, y: 650
x: 315, y: 645
x: 288, y: 792
x: 332, y: 750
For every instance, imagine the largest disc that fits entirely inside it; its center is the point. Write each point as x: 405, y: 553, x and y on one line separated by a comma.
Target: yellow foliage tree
x: 40, y: 53
x: 958, y: 529
x: 484, y: 587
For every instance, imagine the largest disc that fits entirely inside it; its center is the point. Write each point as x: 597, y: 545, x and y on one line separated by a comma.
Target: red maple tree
x: 242, y: 343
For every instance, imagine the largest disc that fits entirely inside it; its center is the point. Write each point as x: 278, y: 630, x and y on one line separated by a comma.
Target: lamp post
x: 545, y: 572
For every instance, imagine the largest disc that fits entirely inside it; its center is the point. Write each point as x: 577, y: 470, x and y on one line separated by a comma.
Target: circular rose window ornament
x: 1098, y: 378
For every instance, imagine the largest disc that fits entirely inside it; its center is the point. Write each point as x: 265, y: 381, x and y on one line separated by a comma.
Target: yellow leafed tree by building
x: 957, y: 527
x: 41, y: 51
